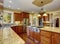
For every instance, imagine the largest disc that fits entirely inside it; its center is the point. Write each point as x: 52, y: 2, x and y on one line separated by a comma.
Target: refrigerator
x: 25, y: 24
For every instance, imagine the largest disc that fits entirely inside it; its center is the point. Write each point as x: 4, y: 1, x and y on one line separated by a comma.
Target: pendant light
x: 44, y: 14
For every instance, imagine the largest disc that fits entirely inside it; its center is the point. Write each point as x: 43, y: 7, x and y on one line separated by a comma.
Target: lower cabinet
x: 45, y: 37
x: 18, y: 29
x: 48, y: 37
x: 45, y: 40
x: 55, y: 38
x: 33, y: 35
x: 36, y: 36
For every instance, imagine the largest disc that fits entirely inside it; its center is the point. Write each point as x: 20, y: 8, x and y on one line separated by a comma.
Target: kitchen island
x: 10, y: 37
x: 45, y: 35
x: 51, y: 29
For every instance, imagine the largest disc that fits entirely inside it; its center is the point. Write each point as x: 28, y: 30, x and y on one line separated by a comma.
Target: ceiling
x: 27, y: 6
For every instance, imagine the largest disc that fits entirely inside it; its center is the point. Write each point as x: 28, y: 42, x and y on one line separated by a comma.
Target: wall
x: 56, y: 14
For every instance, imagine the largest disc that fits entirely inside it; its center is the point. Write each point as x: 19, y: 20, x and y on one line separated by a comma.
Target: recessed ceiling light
x: 18, y: 8
x: 10, y: 1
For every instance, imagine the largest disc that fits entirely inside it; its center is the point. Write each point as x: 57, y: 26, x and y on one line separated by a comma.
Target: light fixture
x: 44, y: 14
x: 39, y: 15
x: 40, y: 3
x: 10, y: 1
x: 18, y: 8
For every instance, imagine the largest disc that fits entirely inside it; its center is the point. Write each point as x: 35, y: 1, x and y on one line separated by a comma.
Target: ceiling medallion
x: 40, y: 3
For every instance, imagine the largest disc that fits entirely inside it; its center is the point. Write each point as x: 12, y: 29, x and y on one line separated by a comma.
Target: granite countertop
x: 10, y: 37
x: 52, y: 29
x: 47, y: 28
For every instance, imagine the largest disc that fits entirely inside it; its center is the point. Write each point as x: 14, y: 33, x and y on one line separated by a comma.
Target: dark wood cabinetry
x: 48, y: 37
x: 20, y: 16
x: 18, y: 29
x: 55, y: 38
x: 33, y: 35
x: 45, y: 37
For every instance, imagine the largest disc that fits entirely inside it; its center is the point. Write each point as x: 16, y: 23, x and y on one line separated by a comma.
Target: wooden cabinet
x: 45, y: 37
x: 28, y: 32
x: 48, y: 37
x: 33, y: 35
x: 14, y: 28
x: 46, y: 33
x: 45, y: 40
x: 36, y: 36
x: 18, y: 29
x: 55, y: 38
x: 25, y: 15
x: 18, y: 17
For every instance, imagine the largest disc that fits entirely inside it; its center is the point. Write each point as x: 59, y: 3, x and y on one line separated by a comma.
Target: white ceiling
x: 26, y: 5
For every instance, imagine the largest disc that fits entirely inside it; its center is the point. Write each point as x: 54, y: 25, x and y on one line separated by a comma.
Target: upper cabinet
x: 20, y: 16
x: 25, y: 15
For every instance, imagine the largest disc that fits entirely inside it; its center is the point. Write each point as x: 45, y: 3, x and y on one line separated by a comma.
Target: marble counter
x: 52, y: 29
x: 10, y: 37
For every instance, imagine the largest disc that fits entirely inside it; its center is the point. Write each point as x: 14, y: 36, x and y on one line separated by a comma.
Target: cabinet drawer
x: 45, y: 40
x: 45, y: 33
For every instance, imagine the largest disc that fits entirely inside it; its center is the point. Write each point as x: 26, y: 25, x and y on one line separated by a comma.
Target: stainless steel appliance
x: 25, y: 24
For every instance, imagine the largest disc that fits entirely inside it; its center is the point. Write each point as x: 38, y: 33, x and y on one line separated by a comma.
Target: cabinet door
x: 45, y: 40
x: 14, y: 28
x: 45, y: 33
x: 31, y: 34
x: 26, y: 15
x: 28, y: 31
x: 55, y: 38
x: 16, y: 16
x: 45, y: 37
x: 20, y: 29
x: 37, y: 36
x: 21, y: 17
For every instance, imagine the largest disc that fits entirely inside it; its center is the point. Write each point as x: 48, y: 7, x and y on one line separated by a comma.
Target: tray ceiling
x: 40, y: 3
x: 27, y: 6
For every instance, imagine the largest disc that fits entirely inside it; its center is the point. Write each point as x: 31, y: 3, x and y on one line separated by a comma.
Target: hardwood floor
x: 24, y: 37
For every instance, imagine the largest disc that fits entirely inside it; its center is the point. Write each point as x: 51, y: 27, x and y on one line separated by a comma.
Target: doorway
x: 57, y: 22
